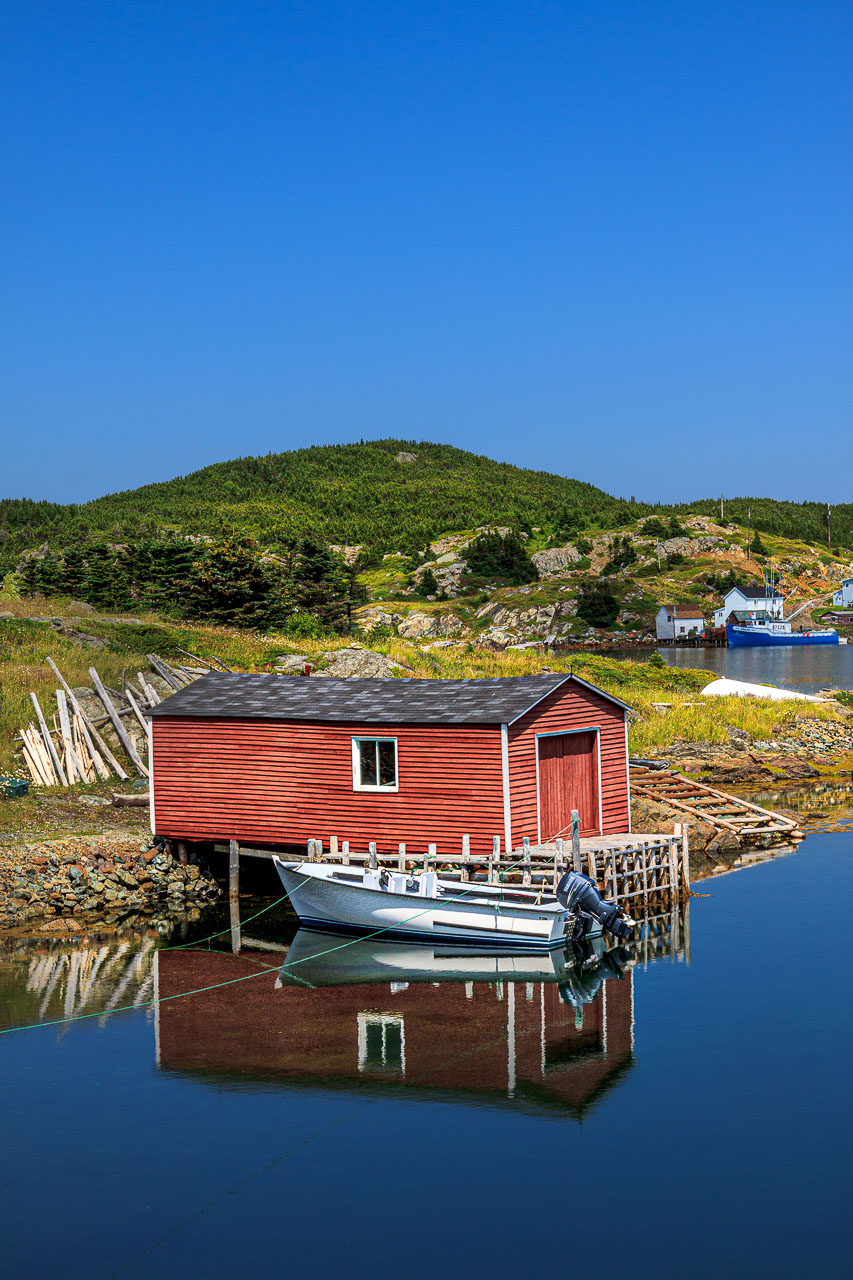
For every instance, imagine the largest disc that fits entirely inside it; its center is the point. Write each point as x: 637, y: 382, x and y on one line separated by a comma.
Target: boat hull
x: 335, y: 906
x: 758, y: 636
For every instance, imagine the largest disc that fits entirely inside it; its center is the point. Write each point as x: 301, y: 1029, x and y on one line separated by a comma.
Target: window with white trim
x: 374, y: 764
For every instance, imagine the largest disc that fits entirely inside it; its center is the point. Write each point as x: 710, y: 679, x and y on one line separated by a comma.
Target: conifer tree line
x: 304, y: 587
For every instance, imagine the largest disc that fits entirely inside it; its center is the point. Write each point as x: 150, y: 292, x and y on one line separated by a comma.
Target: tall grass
x: 25, y: 644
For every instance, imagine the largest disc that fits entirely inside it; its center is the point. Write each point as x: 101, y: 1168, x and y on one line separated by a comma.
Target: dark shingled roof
x: 220, y: 695
x: 759, y: 593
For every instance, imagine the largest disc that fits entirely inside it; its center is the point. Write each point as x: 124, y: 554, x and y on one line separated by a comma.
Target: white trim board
x: 506, y: 790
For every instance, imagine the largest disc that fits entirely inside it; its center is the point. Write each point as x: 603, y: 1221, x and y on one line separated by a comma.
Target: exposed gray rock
x: 291, y: 663
x: 355, y: 662
x: 555, y: 559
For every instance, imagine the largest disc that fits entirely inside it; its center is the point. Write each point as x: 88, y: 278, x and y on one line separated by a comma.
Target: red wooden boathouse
x: 278, y: 760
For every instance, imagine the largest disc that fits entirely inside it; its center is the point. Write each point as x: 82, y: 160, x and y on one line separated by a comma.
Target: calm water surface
x: 805, y: 668
x: 393, y: 1113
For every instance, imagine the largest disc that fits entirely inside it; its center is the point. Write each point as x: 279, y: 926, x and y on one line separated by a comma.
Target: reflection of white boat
x: 353, y: 900
x: 321, y: 960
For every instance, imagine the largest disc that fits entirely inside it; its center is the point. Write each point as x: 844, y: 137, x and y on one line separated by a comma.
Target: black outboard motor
x: 578, y: 894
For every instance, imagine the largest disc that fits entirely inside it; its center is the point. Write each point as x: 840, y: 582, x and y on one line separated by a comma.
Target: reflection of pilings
x: 666, y: 935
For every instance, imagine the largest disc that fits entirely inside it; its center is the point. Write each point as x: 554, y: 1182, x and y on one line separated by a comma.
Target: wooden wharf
x: 647, y: 875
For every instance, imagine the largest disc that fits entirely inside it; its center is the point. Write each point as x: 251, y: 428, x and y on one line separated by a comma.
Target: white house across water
x: 749, y: 600
x: 676, y: 621
x: 843, y: 597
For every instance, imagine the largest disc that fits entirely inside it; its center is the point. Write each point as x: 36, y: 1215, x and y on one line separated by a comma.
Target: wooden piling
x: 234, y: 893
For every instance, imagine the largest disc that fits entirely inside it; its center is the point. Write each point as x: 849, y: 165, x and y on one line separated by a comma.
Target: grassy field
x: 25, y: 643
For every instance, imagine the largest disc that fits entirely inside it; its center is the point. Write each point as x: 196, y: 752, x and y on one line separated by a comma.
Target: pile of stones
x: 96, y: 876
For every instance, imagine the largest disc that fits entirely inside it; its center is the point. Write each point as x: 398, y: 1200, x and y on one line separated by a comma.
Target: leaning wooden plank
x: 42, y: 758
x: 29, y: 760
x: 82, y: 749
x: 105, y: 751
x: 39, y: 754
x: 100, y: 768
x: 123, y: 736
x: 148, y: 689
x: 169, y: 676
x: 48, y: 741
x: 75, y: 766
x: 168, y: 669
x: 140, y: 717
x: 187, y: 653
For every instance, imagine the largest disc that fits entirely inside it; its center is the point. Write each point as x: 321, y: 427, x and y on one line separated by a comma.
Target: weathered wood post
x: 345, y: 852
x: 401, y: 857
x: 576, y: 841
x: 558, y: 863
x: 234, y: 893
x: 333, y: 847
x: 466, y: 857
x: 525, y: 855
x: 495, y: 859
x: 432, y: 852
x: 685, y: 860
x: 372, y: 860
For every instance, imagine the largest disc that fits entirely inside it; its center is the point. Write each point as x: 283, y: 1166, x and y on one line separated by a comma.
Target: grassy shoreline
x: 27, y: 641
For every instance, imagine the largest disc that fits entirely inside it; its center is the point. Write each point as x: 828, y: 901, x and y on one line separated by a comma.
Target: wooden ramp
x: 695, y: 800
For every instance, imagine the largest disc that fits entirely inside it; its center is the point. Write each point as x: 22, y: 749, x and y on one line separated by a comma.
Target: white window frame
x: 357, y: 784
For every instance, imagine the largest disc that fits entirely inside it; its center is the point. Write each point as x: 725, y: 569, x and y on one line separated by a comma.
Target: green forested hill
x: 361, y: 493
x: 356, y: 493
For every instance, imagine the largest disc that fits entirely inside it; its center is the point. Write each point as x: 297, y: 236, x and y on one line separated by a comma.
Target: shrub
x: 304, y: 626
x: 494, y: 556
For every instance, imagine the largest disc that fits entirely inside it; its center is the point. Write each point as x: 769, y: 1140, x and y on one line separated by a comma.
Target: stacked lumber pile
x: 67, y: 746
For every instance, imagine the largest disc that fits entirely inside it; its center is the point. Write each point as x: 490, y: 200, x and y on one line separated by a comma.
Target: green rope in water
x: 83, y: 1017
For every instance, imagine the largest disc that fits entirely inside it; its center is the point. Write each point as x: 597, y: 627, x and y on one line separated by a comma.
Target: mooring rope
x: 349, y: 942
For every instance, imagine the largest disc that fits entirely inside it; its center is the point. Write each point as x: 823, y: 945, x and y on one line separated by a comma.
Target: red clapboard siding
x: 277, y: 783
x: 570, y: 707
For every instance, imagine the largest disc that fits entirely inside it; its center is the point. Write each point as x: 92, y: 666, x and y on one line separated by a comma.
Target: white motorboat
x: 424, y: 908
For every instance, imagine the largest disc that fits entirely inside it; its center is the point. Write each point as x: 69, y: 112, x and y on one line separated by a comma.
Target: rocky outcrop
x: 358, y: 663
x: 87, y: 877
x: 348, y: 553
x: 418, y: 626
x: 553, y: 561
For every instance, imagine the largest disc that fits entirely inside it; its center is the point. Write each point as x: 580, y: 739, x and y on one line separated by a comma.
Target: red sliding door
x: 568, y: 779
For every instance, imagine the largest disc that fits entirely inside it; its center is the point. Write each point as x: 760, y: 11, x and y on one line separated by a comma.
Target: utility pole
x: 828, y: 528
x: 748, y: 532
x: 722, y: 511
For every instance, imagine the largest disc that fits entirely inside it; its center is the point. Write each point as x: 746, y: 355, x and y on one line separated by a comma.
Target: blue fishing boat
x: 769, y: 626
x: 762, y: 630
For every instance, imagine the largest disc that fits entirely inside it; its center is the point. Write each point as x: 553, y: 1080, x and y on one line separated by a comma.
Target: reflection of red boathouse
x: 498, y: 1040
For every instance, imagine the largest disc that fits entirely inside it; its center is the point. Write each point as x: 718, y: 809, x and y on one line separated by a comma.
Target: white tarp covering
x: 743, y: 689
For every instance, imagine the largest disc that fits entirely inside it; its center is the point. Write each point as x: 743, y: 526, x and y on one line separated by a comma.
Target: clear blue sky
x: 608, y: 239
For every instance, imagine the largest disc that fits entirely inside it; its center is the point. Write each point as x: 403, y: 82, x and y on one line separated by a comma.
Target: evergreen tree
x: 230, y: 584
x: 597, y: 604
x: 426, y: 584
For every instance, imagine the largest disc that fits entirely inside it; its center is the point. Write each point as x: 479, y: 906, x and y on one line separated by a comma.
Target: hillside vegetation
x: 423, y: 540
x: 355, y: 493
x: 391, y: 495
x: 25, y: 643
